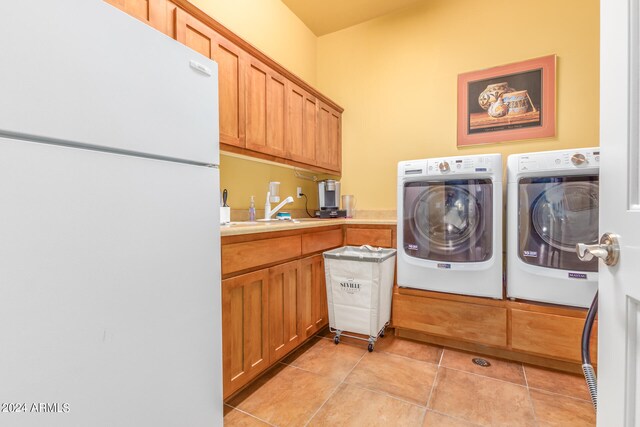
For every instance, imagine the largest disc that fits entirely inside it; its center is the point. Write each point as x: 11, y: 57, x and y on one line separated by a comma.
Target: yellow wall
x: 396, y: 78
x: 244, y: 178
x: 270, y: 26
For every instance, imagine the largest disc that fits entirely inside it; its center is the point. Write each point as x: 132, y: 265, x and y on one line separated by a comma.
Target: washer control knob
x: 578, y: 159
x: 444, y: 167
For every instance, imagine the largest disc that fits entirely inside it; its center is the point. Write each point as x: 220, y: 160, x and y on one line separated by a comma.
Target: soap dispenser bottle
x: 252, y: 210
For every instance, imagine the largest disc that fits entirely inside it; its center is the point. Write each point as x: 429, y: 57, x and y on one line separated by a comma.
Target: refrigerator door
x: 83, y: 72
x: 109, y: 289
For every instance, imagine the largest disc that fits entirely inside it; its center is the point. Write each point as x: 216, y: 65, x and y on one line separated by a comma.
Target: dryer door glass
x: 555, y: 213
x: 449, y: 221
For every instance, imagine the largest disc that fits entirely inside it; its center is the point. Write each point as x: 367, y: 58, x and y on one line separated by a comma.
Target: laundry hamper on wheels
x: 359, y: 287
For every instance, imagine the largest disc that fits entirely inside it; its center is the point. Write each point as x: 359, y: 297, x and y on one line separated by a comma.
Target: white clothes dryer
x: 552, y: 204
x: 450, y: 225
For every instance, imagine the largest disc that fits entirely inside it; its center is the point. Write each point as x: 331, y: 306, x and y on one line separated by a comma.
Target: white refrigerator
x: 109, y: 235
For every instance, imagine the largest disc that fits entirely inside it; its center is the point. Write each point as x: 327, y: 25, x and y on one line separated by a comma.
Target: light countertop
x: 236, y: 228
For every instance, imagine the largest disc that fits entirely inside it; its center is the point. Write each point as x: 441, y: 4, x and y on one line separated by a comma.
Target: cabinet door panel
x: 453, y: 319
x: 265, y: 110
x: 319, y: 308
x: 283, y: 309
x: 550, y: 335
x: 170, y: 19
x: 245, y: 350
x: 369, y: 236
x: 328, y: 146
x: 152, y: 12
x: 256, y: 98
x: 305, y: 298
x: 231, y: 62
x: 301, y: 125
x: 275, y: 115
x: 312, y: 303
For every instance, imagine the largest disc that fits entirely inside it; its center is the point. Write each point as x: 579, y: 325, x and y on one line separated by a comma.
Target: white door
x: 619, y: 287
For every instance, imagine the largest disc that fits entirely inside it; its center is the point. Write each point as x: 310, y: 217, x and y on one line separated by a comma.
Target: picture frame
x: 507, y: 103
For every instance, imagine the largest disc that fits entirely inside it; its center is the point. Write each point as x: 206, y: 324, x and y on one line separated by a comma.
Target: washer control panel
x: 463, y: 165
x: 569, y: 159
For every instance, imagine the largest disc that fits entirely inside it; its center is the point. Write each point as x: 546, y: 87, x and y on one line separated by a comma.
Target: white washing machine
x: 450, y: 225
x: 552, y: 205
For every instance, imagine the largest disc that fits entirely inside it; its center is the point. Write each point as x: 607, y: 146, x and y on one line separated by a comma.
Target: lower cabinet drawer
x: 550, y: 335
x: 369, y: 236
x: 245, y: 255
x: 321, y: 241
x: 463, y: 321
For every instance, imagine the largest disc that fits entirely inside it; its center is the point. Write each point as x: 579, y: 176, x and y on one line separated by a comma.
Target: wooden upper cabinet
x: 231, y: 77
x: 152, y: 12
x: 328, y: 144
x: 265, y: 109
x: 231, y: 62
x: 245, y: 349
x: 194, y: 34
x: 302, y: 125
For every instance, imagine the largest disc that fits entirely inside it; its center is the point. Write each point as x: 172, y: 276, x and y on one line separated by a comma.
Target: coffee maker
x: 329, y: 199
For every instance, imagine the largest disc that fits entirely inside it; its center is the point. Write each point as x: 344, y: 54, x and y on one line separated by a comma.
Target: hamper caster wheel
x: 370, y: 347
x: 336, y: 340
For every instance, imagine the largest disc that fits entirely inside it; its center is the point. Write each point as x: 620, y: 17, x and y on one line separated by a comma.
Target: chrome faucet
x: 268, y: 212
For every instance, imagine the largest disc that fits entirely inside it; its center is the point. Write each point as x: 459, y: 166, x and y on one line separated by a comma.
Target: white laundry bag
x: 359, y: 288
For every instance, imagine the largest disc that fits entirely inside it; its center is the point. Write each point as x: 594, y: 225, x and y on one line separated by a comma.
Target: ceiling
x: 326, y: 16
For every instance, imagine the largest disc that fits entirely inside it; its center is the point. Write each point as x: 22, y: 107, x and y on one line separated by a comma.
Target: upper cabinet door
x: 328, y: 145
x: 302, y: 125
x: 231, y: 74
x: 152, y: 12
x: 265, y: 109
x: 231, y: 63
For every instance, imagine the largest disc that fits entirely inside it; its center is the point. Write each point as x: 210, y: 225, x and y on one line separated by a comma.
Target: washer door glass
x: 555, y: 215
x: 448, y: 221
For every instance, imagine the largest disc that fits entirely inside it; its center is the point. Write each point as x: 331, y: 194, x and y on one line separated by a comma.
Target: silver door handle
x: 607, y: 250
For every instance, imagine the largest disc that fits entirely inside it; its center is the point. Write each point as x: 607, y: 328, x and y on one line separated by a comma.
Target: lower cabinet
x: 312, y: 301
x: 551, y: 335
x: 245, y: 346
x: 461, y: 320
x: 533, y: 333
x: 284, y: 302
x: 357, y: 236
x: 268, y: 313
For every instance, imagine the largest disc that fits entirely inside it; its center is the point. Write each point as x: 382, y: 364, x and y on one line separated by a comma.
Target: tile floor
x: 405, y: 383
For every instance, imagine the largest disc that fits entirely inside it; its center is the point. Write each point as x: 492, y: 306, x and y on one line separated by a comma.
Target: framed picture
x: 508, y: 103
